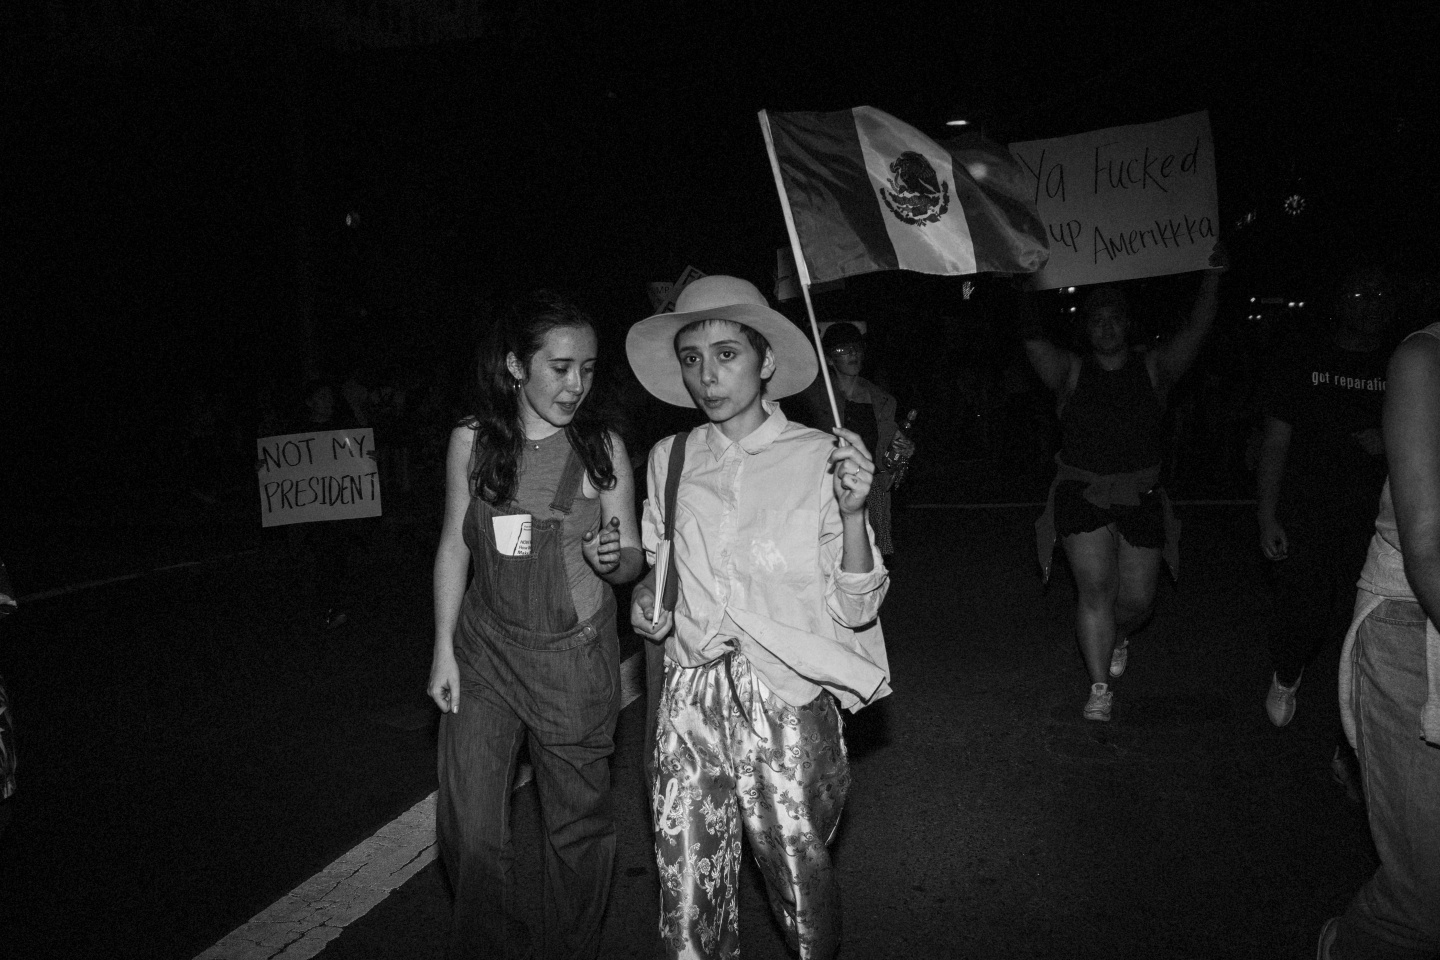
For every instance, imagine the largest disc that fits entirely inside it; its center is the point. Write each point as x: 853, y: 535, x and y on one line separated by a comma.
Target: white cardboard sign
x: 1125, y: 202
x: 326, y: 475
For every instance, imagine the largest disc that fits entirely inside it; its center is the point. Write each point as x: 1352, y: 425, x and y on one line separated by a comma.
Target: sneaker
x: 1280, y: 700
x: 1118, y: 658
x: 1098, y: 706
x: 1327, y: 938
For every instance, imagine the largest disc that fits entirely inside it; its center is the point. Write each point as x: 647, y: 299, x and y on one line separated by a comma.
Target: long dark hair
x: 495, y: 416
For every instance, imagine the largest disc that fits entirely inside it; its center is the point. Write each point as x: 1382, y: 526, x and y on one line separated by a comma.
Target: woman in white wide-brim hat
x: 651, y: 342
x: 774, y: 625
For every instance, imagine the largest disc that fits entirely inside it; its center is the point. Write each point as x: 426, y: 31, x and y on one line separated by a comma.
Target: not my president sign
x: 1125, y: 202
x: 327, y: 475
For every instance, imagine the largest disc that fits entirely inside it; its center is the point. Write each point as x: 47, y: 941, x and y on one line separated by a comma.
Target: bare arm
x: 1053, y: 365
x: 617, y: 555
x: 1268, y: 473
x: 1412, y: 437
x: 1172, y: 359
x: 452, y: 564
x: 853, y: 471
x: 856, y: 579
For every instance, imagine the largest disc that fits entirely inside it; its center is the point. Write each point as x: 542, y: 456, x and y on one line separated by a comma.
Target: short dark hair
x: 1102, y: 297
x: 755, y: 337
x: 841, y: 334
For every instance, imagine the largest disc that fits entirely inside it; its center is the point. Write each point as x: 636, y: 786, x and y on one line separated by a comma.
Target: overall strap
x: 569, y: 485
x: 670, y: 589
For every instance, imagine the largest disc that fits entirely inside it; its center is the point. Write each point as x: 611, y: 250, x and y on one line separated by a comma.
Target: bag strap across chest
x: 670, y: 590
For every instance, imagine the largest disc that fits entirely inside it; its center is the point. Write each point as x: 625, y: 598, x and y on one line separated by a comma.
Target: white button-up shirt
x: 758, y: 542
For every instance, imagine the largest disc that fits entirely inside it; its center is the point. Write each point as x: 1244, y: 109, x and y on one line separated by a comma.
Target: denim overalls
x: 529, y: 668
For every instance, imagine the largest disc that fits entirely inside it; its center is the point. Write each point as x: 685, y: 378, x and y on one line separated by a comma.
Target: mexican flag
x: 868, y: 192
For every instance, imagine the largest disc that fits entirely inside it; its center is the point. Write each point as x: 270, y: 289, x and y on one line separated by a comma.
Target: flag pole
x: 802, y: 271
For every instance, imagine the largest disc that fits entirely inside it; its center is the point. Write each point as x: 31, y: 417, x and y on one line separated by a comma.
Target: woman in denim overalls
x: 529, y: 649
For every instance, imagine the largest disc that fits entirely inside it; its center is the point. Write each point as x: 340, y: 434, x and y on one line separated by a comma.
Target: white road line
x: 92, y: 584
x: 632, y: 679
x: 298, y: 925
x: 301, y: 923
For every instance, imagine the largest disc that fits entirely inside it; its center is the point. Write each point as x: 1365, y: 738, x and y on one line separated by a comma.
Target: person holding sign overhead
x: 539, y: 504
x: 1106, y: 505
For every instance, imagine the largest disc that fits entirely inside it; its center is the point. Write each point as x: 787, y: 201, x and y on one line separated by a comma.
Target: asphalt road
x: 194, y: 748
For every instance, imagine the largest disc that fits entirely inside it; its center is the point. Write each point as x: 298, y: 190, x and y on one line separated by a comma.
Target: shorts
x: 1142, y: 525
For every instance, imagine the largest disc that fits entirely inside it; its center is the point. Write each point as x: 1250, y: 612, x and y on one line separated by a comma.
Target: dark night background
x: 177, y: 180
x: 180, y: 175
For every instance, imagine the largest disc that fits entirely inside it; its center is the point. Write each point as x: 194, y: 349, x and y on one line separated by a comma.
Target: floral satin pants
x: 730, y: 755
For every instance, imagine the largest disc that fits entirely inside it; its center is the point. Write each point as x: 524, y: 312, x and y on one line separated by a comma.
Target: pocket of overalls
x: 582, y: 676
x: 488, y: 532
x: 519, y: 589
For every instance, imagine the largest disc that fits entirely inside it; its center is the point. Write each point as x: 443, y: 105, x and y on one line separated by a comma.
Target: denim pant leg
x: 477, y: 752
x: 1396, y: 914
x: 572, y: 740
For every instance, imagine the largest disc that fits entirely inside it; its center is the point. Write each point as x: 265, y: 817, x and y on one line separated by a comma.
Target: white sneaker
x: 1280, y: 700
x: 1118, y: 658
x: 1098, y: 706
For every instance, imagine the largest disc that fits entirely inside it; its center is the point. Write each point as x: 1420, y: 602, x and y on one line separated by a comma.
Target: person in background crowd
x: 1320, y: 470
x: 1106, y: 504
x: 1390, y: 679
x: 864, y: 408
x: 387, y: 403
x: 529, y: 650
x: 357, y: 395
x: 324, y: 548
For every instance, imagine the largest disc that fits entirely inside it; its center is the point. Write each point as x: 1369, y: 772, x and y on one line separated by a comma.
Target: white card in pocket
x: 512, y: 534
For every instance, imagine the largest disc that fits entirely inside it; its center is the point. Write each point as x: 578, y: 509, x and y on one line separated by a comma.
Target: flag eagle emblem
x: 916, y: 195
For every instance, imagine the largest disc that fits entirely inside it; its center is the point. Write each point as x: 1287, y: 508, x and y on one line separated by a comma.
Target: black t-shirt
x: 1327, y: 395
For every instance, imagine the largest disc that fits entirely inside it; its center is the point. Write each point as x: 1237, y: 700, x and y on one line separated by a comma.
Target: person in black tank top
x: 1106, y: 505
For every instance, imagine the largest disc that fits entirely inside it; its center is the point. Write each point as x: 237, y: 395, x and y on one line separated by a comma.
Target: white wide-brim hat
x: 650, y: 344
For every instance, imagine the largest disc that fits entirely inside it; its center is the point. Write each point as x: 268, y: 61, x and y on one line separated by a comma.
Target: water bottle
x: 893, y: 461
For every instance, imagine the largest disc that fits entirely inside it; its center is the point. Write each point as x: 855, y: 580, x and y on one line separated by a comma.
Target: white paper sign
x: 689, y: 276
x: 327, y: 475
x: 1125, y: 202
